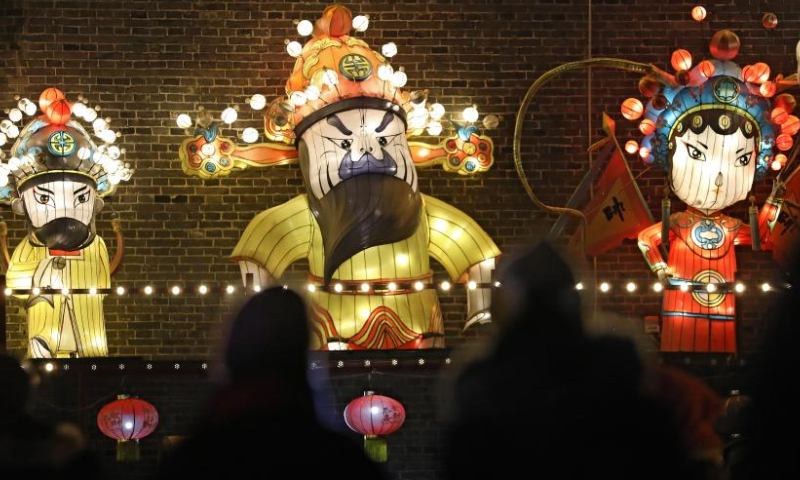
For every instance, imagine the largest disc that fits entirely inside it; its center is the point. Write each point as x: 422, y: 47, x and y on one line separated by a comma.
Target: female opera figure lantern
x: 364, y: 227
x: 57, y: 177
x: 714, y: 135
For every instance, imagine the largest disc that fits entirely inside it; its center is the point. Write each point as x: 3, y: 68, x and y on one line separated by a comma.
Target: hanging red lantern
x: 631, y: 146
x: 647, y: 126
x: 58, y: 112
x: 49, y: 96
x: 779, y: 116
x: 768, y: 89
x: 374, y: 416
x: 632, y: 108
x: 649, y: 85
x: 784, y: 142
x: 781, y: 158
x: 707, y: 69
x: 791, y: 125
x: 724, y: 45
x: 127, y: 420
x: 681, y: 60
x: 786, y: 101
x: 761, y: 72
x: 769, y: 20
x: 749, y: 74
x: 699, y: 13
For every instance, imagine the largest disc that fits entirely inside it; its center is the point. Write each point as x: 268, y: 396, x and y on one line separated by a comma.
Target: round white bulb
x: 434, y: 128
x: 230, y: 289
x: 250, y: 135
x: 684, y: 287
x: 99, y: 125
x: 389, y: 50
x: 294, y: 48
x: 229, y: 115
x: 361, y: 23
x: 330, y: 77
x: 392, y: 287
x: 365, y: 287
x: 418, y: 286
x: 258, y: 101
x: 3, y: 180
x: 312, y: 92
x: 470, y: 114
x: 184, y: 121
x: 78, y: 109
x: 114, y: 152
x: 208, y: 149
x: 108, y: 136
x: 579, y: 286
x: 4, y: 124
x: 36, y: 290
x: 176, y: 290
x: 631, y: 287
x: 445, y: 286
x: 304, y: 28
x: 8, y: 291
x: 338, y: 288
x: 399, y: 79
x: 90, y: 114
x: 385, y: 72
x: 49, y: 367
x: 766, y: 287
x: 13, y: 131
x: 84, y: 153
x: 472, y: 285
x: 312, y: 288
x: 298, y: 99
x: 658, y: 287
x: 3, y: 139
x: 120, y: 290
x: 148, y: 290
x: 129, y: 425
x: 711, y: 287
x: 437, y: 111
x: 739, y: 287
x: 65, y: 291
x: 92, y: 291
x: 27, y: 106
x: 14, y: 163
x: 15, y: 115
x: 604, y: 287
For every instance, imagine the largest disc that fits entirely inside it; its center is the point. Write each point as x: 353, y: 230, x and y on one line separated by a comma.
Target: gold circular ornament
x: 679, y: 127
x: 724, y: 122
x: 671, y: 145
x: 697, y: 121
x: 748, y: 127
x: 355, y: 67
x: 704, y: 297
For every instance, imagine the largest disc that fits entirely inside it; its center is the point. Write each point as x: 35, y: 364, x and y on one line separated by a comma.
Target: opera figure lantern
x: 363, y: 225
x: 56, y: 178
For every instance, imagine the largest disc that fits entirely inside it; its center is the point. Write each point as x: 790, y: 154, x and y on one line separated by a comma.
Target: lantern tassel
x: 754, y: 230
x: 666, y: 208
x: 376, y: 448
x: 128, y: 450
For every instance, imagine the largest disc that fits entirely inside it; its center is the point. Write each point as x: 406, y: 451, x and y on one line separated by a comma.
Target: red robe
x: 701, y: 252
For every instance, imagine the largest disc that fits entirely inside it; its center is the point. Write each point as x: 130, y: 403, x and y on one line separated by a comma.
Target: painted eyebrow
x: 45, y: 190
x: 740, y: 150
x: 81, y: 190
x: 703, y: 144
x: 335, y: 121
x: 387, y: 119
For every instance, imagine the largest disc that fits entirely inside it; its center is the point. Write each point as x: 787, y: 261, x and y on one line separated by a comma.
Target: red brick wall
x: 145, y: 61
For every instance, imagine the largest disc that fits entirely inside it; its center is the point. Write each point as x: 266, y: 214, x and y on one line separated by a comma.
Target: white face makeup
x: 712, y: 171
x: 61, y: 199
x: 355, y: 142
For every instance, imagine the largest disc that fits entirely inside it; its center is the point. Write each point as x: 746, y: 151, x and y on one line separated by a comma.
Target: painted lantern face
x: 60, y: 209
x: 361, y: 181
x: 713, y: 159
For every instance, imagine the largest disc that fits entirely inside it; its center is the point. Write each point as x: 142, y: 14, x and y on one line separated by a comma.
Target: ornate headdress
x: 718, y: 84
x: 54, y: 143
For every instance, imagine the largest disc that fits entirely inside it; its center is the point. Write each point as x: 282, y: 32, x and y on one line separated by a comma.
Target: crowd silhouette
x: 547, y: 396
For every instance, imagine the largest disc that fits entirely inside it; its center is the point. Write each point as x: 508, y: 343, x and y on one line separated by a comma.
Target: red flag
x: 617, y: 211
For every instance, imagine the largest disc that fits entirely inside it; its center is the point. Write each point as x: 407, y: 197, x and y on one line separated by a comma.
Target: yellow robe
x: 64, y: 325
x: 289, y: 232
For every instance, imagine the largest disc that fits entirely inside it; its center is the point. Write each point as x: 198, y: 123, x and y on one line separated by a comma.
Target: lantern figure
x: 784, y: 142
x: 632, y: 109
x: 647, y: 126
x: 58, y: 112
x: 707, y: 69
x: 374, y: 416
x: 631, y: 146
x: 49, y: 96
x: 724, y: 45
x: 681, y: 60
x: 769, y: 20
x: 699, y: 13
x: 779, y: 116
x: 127, y: 420
x: 791, y: 125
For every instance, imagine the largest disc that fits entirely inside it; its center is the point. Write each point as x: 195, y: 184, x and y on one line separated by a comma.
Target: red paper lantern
x: 632, y: 108
x: 699, y: 13
x: 769, y: 20
x: 683, y: 77
x: 779, y: 116
x: 681, y: 60
x: 49, y: 96
x: 761, y: 71
x: 631, y: 146
x: 659, y: 102
x: 649, y: 85
x: 768, y: 89
x: 791, y: 125
x: 127, y: 420
x: 784, y: 142
x: 374, y: 416
x: 647, y: 126
x: 58, y: 112
x: 707, y: 69
x: 781, y: 158
x: 786, y: 101
x: 724, y: 45
x: 644, y: 152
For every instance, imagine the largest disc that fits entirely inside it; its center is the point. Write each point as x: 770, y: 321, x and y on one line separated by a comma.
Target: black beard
x: 364, y: 211
x: 65, y: 234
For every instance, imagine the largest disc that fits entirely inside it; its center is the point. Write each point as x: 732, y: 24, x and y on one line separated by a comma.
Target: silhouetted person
x: 262, y: 420
x: 30, y: 448
x: 548, y: 401
x: 774, y: 428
